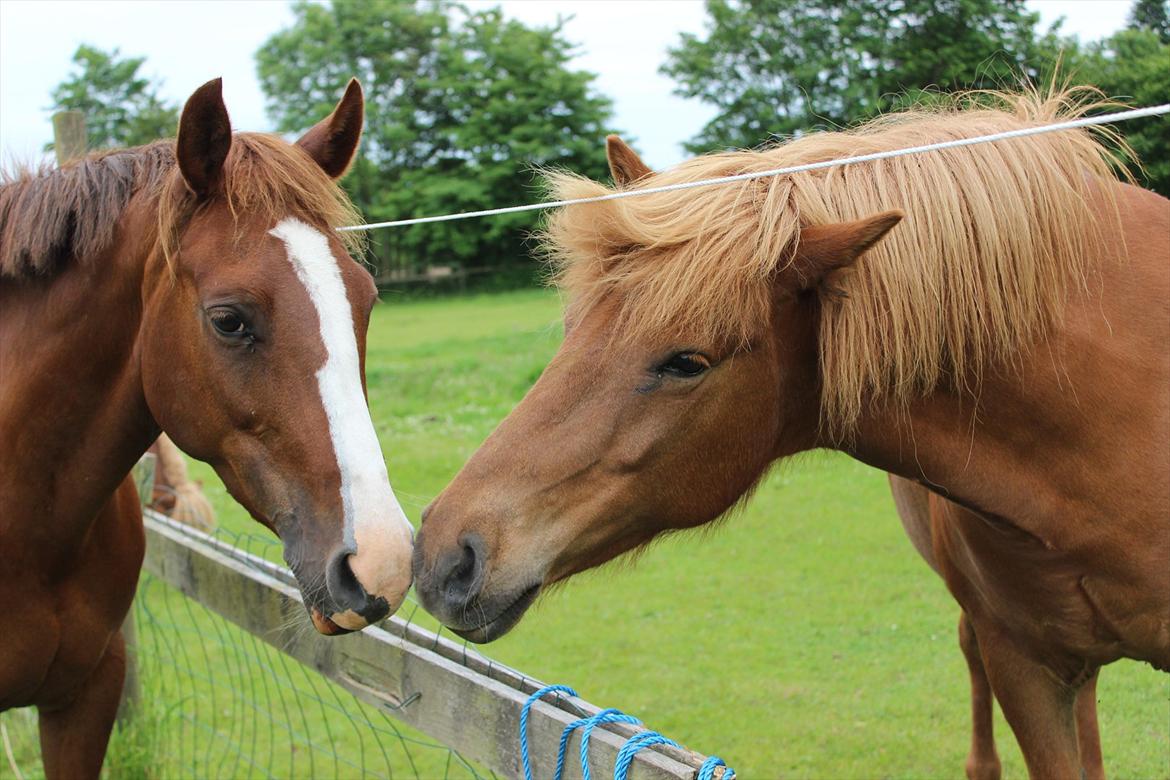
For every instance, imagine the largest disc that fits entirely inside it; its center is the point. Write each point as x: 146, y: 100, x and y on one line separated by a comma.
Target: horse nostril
x: 464, y: 580
x: 343, y: 586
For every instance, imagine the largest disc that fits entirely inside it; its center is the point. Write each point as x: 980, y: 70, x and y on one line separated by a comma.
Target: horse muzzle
x: 452, y: 589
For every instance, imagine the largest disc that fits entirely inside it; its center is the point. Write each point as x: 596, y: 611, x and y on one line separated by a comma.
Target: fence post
x: 131, y: 686
x: 143, y: 474
x: 68, y: 135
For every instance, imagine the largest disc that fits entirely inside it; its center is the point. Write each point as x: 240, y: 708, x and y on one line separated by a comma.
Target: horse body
x: 158, y: 289
x: 1062, y: 469
x: 994, y: 339
x: 73, y: 570
x: 69, y: 575
x: 1051, y: 530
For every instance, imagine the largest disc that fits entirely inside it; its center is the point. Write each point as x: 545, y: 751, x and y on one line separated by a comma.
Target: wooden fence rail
x: 456, y: 696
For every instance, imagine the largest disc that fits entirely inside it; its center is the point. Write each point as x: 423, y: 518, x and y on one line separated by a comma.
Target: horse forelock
x: 995, y: 237
x: 52, y: 217
x: 267, y: 179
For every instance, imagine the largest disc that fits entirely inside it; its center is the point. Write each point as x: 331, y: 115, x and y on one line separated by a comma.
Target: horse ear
x: 824, y: 250
x: 333, y: 141
x: 624, y: 163
x: 205, y: 136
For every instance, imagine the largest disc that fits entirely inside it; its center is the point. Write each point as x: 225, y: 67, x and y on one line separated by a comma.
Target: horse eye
x: 228, y: 323
x: 685, y: 364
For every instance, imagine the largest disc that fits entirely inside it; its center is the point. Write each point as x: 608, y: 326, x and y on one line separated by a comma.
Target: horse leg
x: 983, y: 760
x: 1038, y: 706
x: 74, y: 737
x: 1088, y: 735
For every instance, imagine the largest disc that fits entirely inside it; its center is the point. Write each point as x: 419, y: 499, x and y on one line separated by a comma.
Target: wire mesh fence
x: 217, y: 700
x: 237, y: 707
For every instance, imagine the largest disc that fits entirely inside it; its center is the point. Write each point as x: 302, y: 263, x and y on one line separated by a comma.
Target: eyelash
x: 671, y: 368
x: 241, y: 335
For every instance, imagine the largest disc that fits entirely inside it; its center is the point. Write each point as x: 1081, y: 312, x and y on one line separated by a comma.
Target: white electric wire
x: 1120, y: 116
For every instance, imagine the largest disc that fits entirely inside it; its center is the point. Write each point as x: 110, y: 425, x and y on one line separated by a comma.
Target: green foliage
x: 461, y: 107
x: 784, y: 66
x: 1133, y: 66
x: 1153, y: 15
x: 121, y: 107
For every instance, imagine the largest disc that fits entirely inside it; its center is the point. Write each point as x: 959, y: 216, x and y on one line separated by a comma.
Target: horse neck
x: 1076, y: 426
x: 74, y: 400
x: 978, y: 451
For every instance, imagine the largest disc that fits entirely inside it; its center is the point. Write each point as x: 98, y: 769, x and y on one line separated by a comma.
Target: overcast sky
x: 187, y: 42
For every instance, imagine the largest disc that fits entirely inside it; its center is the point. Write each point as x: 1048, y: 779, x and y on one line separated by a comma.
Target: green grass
x: 802, y: 637
x: 218, y: 702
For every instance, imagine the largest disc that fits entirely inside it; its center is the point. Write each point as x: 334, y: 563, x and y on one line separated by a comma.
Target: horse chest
x: 1030, y: 589
x: 52, y: 642
x: 26, y: 655
x: 57, y: 630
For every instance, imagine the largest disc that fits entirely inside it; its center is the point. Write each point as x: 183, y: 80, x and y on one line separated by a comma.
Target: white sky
x: 187, y: 42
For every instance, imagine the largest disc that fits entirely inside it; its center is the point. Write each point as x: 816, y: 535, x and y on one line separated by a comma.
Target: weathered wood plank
x: 69, y: 139
x: 458, y: 698
x: 462, y: 654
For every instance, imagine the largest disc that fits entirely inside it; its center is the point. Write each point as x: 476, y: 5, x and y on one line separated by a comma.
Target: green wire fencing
x: 231, y: 681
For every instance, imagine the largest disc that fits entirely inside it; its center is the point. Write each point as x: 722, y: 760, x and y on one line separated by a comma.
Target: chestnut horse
x: 194, y: 286
x: 987, y: 324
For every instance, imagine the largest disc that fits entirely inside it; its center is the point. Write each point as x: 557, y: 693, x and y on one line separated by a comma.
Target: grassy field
x: 802, y: 637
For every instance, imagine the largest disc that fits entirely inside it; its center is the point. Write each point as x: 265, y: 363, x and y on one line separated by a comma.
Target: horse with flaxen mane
x: 194, y: 286
x: 987, y: 324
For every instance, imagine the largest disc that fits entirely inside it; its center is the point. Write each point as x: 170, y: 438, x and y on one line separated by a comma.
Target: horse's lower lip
x: 324, y: 624
x: 501, y: 623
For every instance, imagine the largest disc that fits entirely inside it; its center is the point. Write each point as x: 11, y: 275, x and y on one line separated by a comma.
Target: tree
x: 1133, y: 66
x: 121, y: 107
x: 785, y: 66
x: 461, y: 106
x: 1153, y: 15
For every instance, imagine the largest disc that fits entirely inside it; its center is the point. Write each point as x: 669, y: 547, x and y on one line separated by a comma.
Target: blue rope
x: 625, y: 757
x: 605, y: 716
x: 610, y: 715
x: 707, y: 770
x: 564, y: 743
x: 524, y: 760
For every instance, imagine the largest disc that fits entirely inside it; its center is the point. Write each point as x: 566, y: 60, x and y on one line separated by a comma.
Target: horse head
x: 253, y: 345
x: 637, y: 426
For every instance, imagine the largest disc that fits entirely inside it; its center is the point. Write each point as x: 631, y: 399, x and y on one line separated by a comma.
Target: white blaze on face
x: 375, y: 525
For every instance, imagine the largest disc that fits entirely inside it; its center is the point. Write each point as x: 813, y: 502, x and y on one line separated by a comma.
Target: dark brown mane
x: 51, y: 217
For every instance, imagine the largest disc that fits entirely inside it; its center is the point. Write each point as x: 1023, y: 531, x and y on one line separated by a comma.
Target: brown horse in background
x: 987, y: 324
x: 174, y: 493
x: 194, y: 286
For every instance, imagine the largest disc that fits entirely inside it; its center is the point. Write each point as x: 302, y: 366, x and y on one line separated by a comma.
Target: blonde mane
x: 995, y: 237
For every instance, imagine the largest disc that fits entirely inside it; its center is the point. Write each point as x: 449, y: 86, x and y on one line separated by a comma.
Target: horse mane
x: 995, y: 236
x: 50, y: 216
